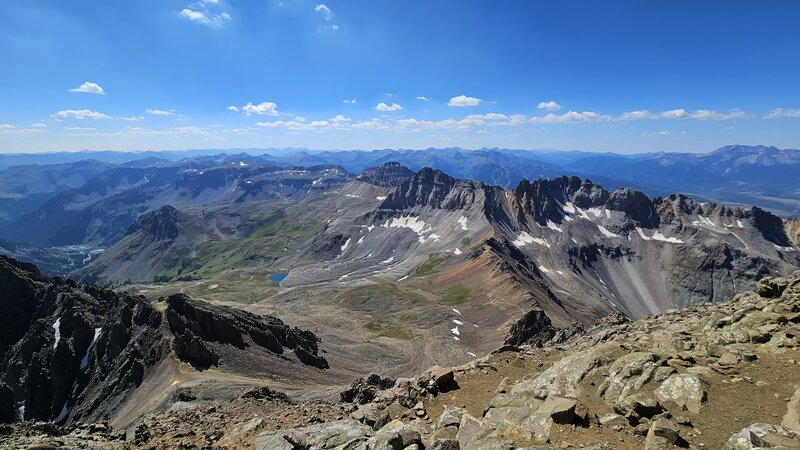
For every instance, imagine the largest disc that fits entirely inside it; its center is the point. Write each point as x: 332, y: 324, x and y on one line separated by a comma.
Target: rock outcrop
x: 76, y: 352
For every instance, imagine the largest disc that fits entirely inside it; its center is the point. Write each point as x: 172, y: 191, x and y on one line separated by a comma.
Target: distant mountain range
x: 737, y: 174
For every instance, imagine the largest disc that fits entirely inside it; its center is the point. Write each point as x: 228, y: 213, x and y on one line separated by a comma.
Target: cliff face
x: 77, y: 352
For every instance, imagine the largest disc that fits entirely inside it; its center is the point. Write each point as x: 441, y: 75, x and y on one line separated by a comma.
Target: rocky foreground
x: 711, y: 376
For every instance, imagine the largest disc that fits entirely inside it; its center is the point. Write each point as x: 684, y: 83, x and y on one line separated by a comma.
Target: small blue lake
x: 277, y: 277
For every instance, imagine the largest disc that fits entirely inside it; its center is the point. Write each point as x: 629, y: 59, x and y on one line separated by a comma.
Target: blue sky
x: 623, y: 76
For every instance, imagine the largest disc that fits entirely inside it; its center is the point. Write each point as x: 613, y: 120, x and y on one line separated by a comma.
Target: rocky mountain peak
x: 389, y: 174
x: 635, y: 205
x: 432, y: 188
x: 161, y: 225
x: 543, y: 199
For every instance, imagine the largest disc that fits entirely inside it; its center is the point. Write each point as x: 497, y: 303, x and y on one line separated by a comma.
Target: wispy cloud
x: 680, y: 113
x: 655, y: 133
x: 571, y: 116
x: 325, y: 12
x: 8, y: 130
x: 205, y: 12
x: 549, y: 105
x: 261, y: 109
x: 463, y: 100
x: 383, y: 107
x: 88, y: 87
x: 79, y: 114
x: 351, y: 101
x: 160, y: 112
x: 423, y: 98
x: 779, y: 113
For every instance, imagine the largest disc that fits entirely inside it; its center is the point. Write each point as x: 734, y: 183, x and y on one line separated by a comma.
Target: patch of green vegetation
x: 388, y: 331
x: 428, y: 267
x: 264, y: 245
x: 455, y: 295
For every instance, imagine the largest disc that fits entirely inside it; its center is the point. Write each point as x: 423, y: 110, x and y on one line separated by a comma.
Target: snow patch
x: 346, y: 243
x: 704, y: 221
x: 472, y: 354
x: 569, y: 208
x: 457, y: 311
x: 658, y: 236
x: 608, y: 214
x: 387, y: 261
x: 413, y: 223
x: 463, y: 222
x: 57, y: 328
x: 85, y: 360
x: 405, y: 277
x: 606, y: 233
x: 455, y: 331
x: 458, y: 322
x: 544, y: 269
x: 596, y: 212
x: 553, y: 226
x: 525, y: 238
x: 213, y: 286
x: 380, y: 197
x: 784, y: 249
x: 457, y: 251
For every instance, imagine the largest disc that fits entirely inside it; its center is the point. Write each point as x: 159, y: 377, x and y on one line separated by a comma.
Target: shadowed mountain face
x: 77, y: 352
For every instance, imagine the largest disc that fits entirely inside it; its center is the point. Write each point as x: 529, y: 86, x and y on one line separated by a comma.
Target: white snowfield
x: 463, y: 222
x: 658, y: 236
x: 525, y: 238
x: 606, y: 232
x: 57, y: 328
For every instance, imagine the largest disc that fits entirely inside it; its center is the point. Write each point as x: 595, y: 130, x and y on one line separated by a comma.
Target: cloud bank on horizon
x: 624, y: 77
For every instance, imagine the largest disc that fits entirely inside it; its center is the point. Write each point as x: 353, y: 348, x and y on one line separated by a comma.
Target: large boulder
x: 534, y: 328
x: 325, y: 436
x: 792, y: 418
x: 762, y: 435
x: 686, y: 390
x: 563, y: 378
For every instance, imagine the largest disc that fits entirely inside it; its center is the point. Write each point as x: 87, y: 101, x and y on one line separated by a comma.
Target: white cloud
x: 680, y: 113
x: 205, y: 12
x: 80, y: 128
x: 39, y: 125
x: 388, y: 108
x: 655, y: 134
x: 570, y: 116
x: 79, y: 114
x: 549, y: 105
x: 463, y: 100
x: 233, y: 108
x: 515, y: 120
x: 89, y: 88
x: 160, y: 112
x: 702, y: 114
x: 261, y: 109
x: 778, y: 113
x: 340, y: 119
x: 323, y: 10
x: 423, y: 98
x: 352, y: 101
x: 132, y: 118
x: 8, y: 130
x: 639, y: 114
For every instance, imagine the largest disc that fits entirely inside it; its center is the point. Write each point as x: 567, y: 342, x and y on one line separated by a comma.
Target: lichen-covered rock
x: 563, y: 378
x: 344, y: 434
x: 687, y: 391
x: 762, y: 435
